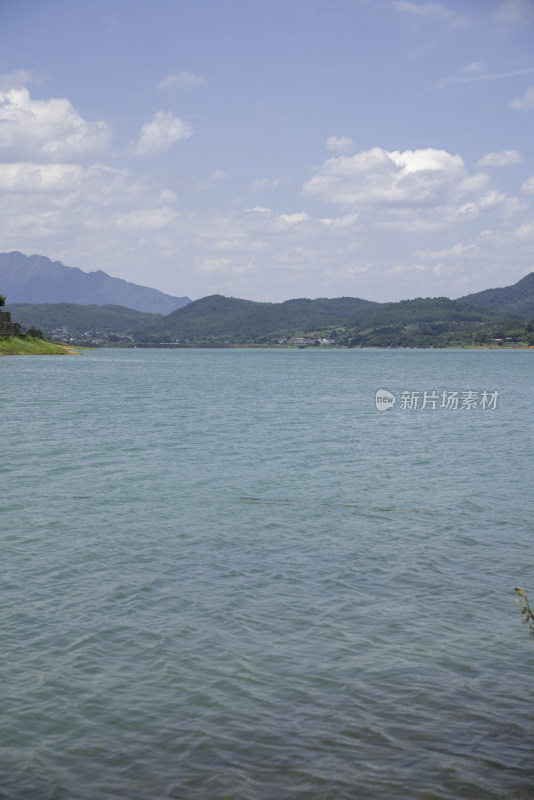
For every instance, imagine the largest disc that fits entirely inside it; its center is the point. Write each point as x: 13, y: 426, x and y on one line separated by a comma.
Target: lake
x: 226, y: 574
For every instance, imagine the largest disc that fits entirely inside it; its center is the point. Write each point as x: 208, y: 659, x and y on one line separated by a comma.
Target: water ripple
x: 226, y: 576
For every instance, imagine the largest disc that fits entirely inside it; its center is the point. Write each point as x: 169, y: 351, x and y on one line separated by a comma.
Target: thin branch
x: 526, y: 611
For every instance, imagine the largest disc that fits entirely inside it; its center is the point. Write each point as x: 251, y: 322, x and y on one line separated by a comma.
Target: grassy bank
x: 13, y: 346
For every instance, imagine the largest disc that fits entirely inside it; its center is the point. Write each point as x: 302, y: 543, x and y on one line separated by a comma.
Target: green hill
x: 517, y: 300
x: 77, y: 319
x: 425, y: 322
x: 238, y: 321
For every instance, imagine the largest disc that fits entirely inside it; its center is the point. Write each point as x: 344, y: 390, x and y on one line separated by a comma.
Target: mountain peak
x: 37, y: 279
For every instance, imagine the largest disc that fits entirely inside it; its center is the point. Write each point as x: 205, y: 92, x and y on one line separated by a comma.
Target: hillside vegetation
x: 108, y: 320
x: 430, y: 322
x: 517, y: 300
x: 239, y: 321
x: 499, y: 316
x: 14, y: 346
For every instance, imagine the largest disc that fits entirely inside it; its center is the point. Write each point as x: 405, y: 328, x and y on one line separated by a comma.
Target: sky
x: 381, y: 149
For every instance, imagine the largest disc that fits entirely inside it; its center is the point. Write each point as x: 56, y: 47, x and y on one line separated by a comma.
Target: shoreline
x: 14, y: 346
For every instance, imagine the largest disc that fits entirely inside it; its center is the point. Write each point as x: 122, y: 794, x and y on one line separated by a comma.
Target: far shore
x: 12, y: 345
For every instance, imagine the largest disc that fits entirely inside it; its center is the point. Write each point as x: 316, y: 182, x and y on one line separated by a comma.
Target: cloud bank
x: 360, y: 223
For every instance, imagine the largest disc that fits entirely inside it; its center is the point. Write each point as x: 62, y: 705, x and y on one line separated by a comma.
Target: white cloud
x: 160, y: 134
x: 46, y: 130
x: 520, y: 11
x: 100, y: 217
x: 294, y: 219
x: 403, y: 269
x: 110, y: 22
x: 505, y: 158
x: 339, y: 144
x: 524, y: 103
x: 18, y: 79
x: 526, y: 231
x: 423, y: 9
x: 491, y: 199
x: 103, y: 218
x: 26, y: 177
x: 430, y: 10
x: 201, y: 185
x: 215, y: 264
x: 458, y: 250
x: 181, y: 80
x: 348, y: 221
x: 423, y: 195
x: 481, y: 77
x: 472, y: 184
x: 259, y: 210
x: 265, y: 184
x: 379, y: 177
x: 417, y: 221
x: 488, y: 202
x: 475, y: 67
x: 147, y: 218
x: 241, y: 243
x: 25, y: 186
x: 166, y: 197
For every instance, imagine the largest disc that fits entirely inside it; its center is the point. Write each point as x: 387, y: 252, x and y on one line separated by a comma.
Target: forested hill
x: 427, y: 322
x: 238, y: 320
x: 109, y: 320
x: 517, y: 299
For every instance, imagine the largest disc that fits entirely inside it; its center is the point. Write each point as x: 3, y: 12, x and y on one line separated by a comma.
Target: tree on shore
x: 2, y: 300
x: 35, y: 333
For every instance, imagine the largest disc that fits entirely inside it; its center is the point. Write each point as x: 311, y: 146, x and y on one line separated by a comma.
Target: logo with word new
x: 448, y: 400
x: 384, y: 400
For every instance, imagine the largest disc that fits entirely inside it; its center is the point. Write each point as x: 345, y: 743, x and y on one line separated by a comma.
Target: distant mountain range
x: 363, y: 321
x: 494, y: 314
x: 346, y: 320
x: 36, y: 279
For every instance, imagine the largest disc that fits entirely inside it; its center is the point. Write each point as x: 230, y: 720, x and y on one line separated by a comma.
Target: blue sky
x: 268, y: 150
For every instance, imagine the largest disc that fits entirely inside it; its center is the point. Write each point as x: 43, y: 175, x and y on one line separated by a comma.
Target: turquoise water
x: 225, y: 574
